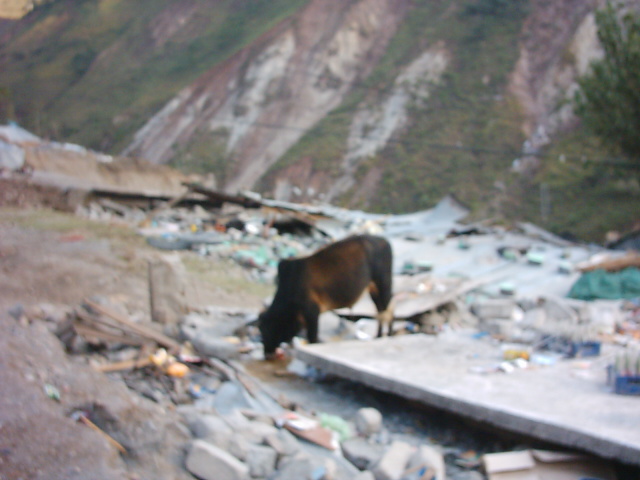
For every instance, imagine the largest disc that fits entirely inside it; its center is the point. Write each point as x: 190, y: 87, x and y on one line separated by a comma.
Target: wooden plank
x: 318, y: 434
x: 124, y: 365
x: 101, y: 323
x: 145, y: 332
x: 223, y: 197
x: 614, y: 264
x: 88, y: 332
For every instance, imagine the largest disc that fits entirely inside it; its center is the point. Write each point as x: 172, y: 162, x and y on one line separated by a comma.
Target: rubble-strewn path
x: 245, y: 417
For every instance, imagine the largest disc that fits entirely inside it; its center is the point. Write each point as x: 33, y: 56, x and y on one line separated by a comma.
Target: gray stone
x: 239, y: 446
x: 261, y: 461
x: 231, y: 396
x: 210, y: 346
x: 368, y: 421
x: 366, y: 475
x: 208, y: 462
x: 283, y: 442
x: 429, y: 457
x: 361, y: 453
x: 257, y: 432
x: 212, y: 428
x: 236, y: 420
x: 394, y: 462
x: 303, y: 467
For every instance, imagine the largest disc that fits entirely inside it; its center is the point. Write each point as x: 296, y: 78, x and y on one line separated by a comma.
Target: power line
x: 474, y: 149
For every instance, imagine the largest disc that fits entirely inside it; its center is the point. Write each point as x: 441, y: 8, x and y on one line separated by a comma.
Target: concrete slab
x: 568, y: 403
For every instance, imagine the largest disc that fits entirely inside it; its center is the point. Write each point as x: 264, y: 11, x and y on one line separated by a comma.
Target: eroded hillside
x: 374, y: 104
x: 330, y: 76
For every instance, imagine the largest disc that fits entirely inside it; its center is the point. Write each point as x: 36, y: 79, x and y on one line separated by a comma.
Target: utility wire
x: 513, y: 154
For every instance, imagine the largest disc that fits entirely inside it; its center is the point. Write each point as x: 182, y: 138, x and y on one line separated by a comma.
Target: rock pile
x: 232, y: 442
x: 238, y: 430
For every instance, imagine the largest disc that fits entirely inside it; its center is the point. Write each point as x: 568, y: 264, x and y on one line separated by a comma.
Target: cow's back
x: 337, y: 275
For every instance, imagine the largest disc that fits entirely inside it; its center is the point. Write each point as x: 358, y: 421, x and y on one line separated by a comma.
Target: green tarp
x: 600, y: 284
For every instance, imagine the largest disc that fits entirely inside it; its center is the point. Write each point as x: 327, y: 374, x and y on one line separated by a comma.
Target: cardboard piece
x: 310, y: 430
x: 545, y: 465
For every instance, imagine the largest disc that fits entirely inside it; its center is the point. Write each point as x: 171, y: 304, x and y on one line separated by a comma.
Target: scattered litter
x: 177, y: 369
x: 311, y: 430
x: 52, y: 392
x: 468, y: 459
x: 337, y: 424
x: 545, y: 464
x: 81, y: 416
x: 624, y: 374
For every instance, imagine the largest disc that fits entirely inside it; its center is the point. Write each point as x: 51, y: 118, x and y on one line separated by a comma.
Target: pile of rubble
x: 238, y: 429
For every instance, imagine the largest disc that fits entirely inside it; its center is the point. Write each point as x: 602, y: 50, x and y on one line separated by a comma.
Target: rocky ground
x: 51, y: 262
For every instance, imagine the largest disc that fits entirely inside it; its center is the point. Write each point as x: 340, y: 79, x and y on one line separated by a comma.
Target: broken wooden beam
x: 124, y: 365
x: 223, y: 197
x: 141, y: 330
x: 614, y: 264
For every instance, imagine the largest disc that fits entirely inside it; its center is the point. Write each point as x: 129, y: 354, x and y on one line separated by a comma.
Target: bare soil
x: 50, y: 262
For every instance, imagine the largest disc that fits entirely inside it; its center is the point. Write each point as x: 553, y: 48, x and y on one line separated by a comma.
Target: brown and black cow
x: 333, y: 277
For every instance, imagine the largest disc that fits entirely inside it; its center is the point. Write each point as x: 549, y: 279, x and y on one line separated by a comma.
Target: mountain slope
x: 377, y: 104
x: 94, y: 72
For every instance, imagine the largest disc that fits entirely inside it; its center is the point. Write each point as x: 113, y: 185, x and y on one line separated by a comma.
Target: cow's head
x: 271, y: 338
x: 278, y: 324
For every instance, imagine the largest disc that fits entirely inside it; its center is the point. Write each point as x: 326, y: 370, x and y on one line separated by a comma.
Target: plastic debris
x: 337, y: 424
x: 177, y: 369
x: 52, y: 392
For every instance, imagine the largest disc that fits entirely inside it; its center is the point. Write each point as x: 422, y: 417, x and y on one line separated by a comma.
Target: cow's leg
x: 381, y: 288
x: 311, y: 314
x: 380, y: 291
x: 385, y: 318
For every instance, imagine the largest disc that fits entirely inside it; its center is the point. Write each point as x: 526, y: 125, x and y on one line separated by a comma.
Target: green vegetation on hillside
x: 578, y: 191
x: 94, y: 72
x: 609, y: 97
x: 465, y: 136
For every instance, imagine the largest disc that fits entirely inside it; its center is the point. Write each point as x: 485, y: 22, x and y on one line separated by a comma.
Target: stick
x: 124, y: 365
x: 139, y: 329
x: 92, y: 425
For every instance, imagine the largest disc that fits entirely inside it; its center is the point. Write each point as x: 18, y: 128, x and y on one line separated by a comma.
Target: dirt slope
x: 48, y: 262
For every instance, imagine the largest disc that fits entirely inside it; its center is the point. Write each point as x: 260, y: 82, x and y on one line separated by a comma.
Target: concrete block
x: 167, y: 280
x: 208, y: 462
x: 429, y: 457
x: 362, y: 453
x: 368, y: 421
x: 212, y: 428
x: 261, y: 461
x: 394, y: 462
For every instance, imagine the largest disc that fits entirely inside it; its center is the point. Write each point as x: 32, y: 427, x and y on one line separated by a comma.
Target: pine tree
x: 608, y: 101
